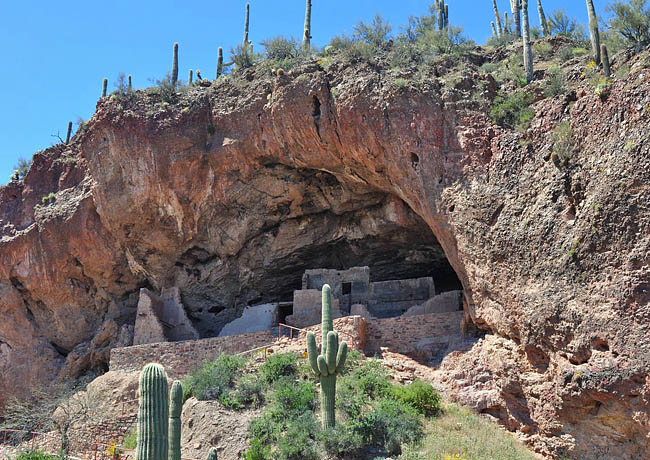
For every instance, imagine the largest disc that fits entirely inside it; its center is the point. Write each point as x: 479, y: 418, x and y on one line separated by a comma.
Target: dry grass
x: 459, y: 434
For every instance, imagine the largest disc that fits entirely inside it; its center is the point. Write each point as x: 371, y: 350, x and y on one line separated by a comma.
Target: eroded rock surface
x: 236, y: 189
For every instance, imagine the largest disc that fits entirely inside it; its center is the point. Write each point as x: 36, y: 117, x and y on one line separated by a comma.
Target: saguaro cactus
x: 189, y: 78
x: 67, y: 137
x: 494, y: 29
x: 542, y: 19
x: 175, y: 409
x: 506, y: 24
x: 528, y: 52
x: 175, y: 66
x: 605, y: 58
x: 330, y: 362
x: 593, y: 31
x: 153, y: 414
x: 515, y: 7
x: 130, y: 85
x: 104, y: 87
x: 306, y: 39
x: 498, y: 18
x: 441, y: 14
x: 246, y: 43
x: 446, y: 16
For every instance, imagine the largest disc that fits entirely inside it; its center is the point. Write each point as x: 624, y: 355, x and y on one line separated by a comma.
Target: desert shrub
x: 277, y: 366
x: 339, y: 43
x: 543, y: 50
x: 130, y: 441
x: 502, y: 40
x: 299, y: 439
x: 243, y: 57
x: 562, y: 24
x: 290, y: 398
x: 121, y: 85
x: 421, y: 396
x: 37, y: 455
x: 554, y: 82
x: 342, y: 442
x: 375, y: 33
x: 510, y: 69
x: 22, y: 167
x: 280, y: 48
x: 257, y: 450
x: 213, y: 378
x: 390, y: 424
x: 562, y: 139
x: 512, y: 110
x: 165, y: 89
x: 631, y: 21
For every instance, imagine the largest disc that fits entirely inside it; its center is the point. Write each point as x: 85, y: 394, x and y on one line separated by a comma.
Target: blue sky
x: 56, y: 53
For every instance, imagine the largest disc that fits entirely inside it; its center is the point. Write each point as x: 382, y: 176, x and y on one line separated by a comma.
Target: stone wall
x: 253, y: 319
x: 449, y: 301
x: 422, y: 336
x: 180, y: 358
x: 393, y: 298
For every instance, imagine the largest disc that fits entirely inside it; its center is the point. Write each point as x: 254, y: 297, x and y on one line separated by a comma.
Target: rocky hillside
x: 230, y: 191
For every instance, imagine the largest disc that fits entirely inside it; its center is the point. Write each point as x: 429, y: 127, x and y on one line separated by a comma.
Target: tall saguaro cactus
x: 593, y: 31
x: 246, y: 43
x: 330, y: 362
x: 497, y: 16
x: 104, y: 87
x: 130, y: 84
x: 175, y: 409
x: 153, y: 414
x: 190, y: 77
x: 515, y: 7
x: 528, y: 52
x: 175, y: 66
x: 67, y: 137
x: 607, y: 71
x: 306, y: 39
x: 542, y: 19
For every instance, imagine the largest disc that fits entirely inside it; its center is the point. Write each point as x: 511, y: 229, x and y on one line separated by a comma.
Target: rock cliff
x: 230, y: 191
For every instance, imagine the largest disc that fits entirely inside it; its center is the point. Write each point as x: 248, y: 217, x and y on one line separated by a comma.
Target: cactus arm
x: 322, y: 366
x: 341, y: 356
x: 175, y: 409
x: 332, y: 350
x: 326, y: 319
x: 312, y: 351
x: 498, y: 18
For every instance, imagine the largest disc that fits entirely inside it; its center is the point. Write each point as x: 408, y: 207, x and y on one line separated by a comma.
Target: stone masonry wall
x: 180, y: 358
x: 419, y: 336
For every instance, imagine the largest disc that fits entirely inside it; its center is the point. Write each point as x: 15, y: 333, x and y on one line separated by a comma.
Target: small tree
x: 375, y: 33
x: 56, y: 407
x: 21, y: 168
x: 562, y: 24
x: 631, y: 21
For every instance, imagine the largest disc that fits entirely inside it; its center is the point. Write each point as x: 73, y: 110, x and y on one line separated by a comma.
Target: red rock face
x: 232, y: 190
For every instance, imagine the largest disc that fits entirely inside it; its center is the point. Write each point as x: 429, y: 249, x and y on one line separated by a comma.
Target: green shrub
x: 563, y: 141
x: 37, y: 455
x: 562, y: 24
x: 298, y: 441
x: 213, y: 378
x: 279, y: 365
x: 45, y: 199
x: 280, y: 48
x: 631, y: 21
x: 22, y: 167
x: 375, y: 33
x: 421, y: 396
x: 290, y: 398
x: 512, y: 110
x: 244, y: 57
x: 554, y: 82
x: 502, y: 40
x: 257, y: 450
x: 131, y: 439
x: 543, y: 50
x: 342, y: 441
x: 165, y: 89
x: 391, y: 424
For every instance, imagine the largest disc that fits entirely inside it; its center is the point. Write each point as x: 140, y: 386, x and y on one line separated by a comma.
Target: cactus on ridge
x: 104, y: 87
x: 67, y: 137
x: 593, y: 31
x: 306, y: 39
x: 542, y: 20
x: 246, y: 42
x: 189, y: 78
x: 516, y: 7
x: 329, y: 362
x: 175, y: 66
x: 153, y: 414
x: 130, y: 86
x: 528, y: 52
x: 175, y: 409
x: 498, y: 18
x: 604, y: 55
